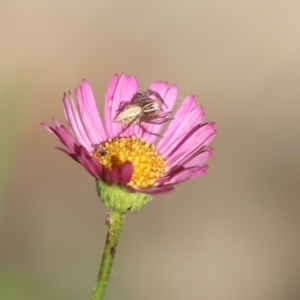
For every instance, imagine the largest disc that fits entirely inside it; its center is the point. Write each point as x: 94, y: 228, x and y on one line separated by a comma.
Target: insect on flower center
x: 148, y: 164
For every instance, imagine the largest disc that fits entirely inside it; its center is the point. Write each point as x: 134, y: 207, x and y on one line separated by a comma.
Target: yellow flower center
x: 148, y: 164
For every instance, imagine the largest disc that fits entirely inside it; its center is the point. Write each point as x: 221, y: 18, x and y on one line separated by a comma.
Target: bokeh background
x: 233, y: 234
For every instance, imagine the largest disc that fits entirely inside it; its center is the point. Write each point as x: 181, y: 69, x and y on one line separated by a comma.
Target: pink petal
x: 182, y: 174
x: 200, y: 159
x: 170, y: 99
x: 186, y: 117
x: 57, y: 124
x: 92, y: 165
x: 129, y: 88
x: 198, y: 138
x: 184, y: 130
x: 77, y: 152
x: 125, y: 89
x: 200, y: 171
x: 161, y: 87
x: 48, y: 128
x: 111, y: 176
x: 62, y: 134
x: 75, y: 122
x: 88, y: 162
x: 126, y: 171
x: 157, y: 190
x: 89, y: 113
x: 108, y: 104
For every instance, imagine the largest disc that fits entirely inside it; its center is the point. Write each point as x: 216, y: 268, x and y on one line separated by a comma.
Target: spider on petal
x: 142, y: 108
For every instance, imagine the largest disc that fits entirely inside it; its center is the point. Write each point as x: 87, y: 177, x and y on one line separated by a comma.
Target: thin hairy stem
x: 115, y: 221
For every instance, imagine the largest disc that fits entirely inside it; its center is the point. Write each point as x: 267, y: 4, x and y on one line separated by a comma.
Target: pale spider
x: 142, y: 108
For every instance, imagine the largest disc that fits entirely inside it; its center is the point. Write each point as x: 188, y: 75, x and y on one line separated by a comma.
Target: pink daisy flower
x: 129, y: 157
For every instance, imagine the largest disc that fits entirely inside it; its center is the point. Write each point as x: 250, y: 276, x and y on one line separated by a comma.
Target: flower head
x: 124, y: 154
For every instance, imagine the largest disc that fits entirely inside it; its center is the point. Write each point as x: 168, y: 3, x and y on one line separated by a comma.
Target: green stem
x: 115, y: 221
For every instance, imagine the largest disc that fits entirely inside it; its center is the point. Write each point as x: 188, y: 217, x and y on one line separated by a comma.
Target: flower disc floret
x: 148, y: 164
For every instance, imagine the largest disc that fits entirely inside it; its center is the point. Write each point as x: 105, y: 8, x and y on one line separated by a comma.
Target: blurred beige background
x: 231, y: 235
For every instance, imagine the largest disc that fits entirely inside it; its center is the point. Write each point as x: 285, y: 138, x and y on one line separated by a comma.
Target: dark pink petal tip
x: 110, y: 176
x: 90, y: 163
x: 157, y: 190
x: 126, y: 171
x: 118, y: 176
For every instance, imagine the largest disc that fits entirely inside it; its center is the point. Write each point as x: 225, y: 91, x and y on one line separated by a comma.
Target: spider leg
x: 163, y: 115
x: 127, y: 125
x: 122, y: 105
x: 157, y: 95
x: 157, y: 121
x: 146, y: 130
x: 123, y: 129
x: 136, y: 98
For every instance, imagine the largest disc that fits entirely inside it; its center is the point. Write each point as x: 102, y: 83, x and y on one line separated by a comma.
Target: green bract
x: 118, y: 198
